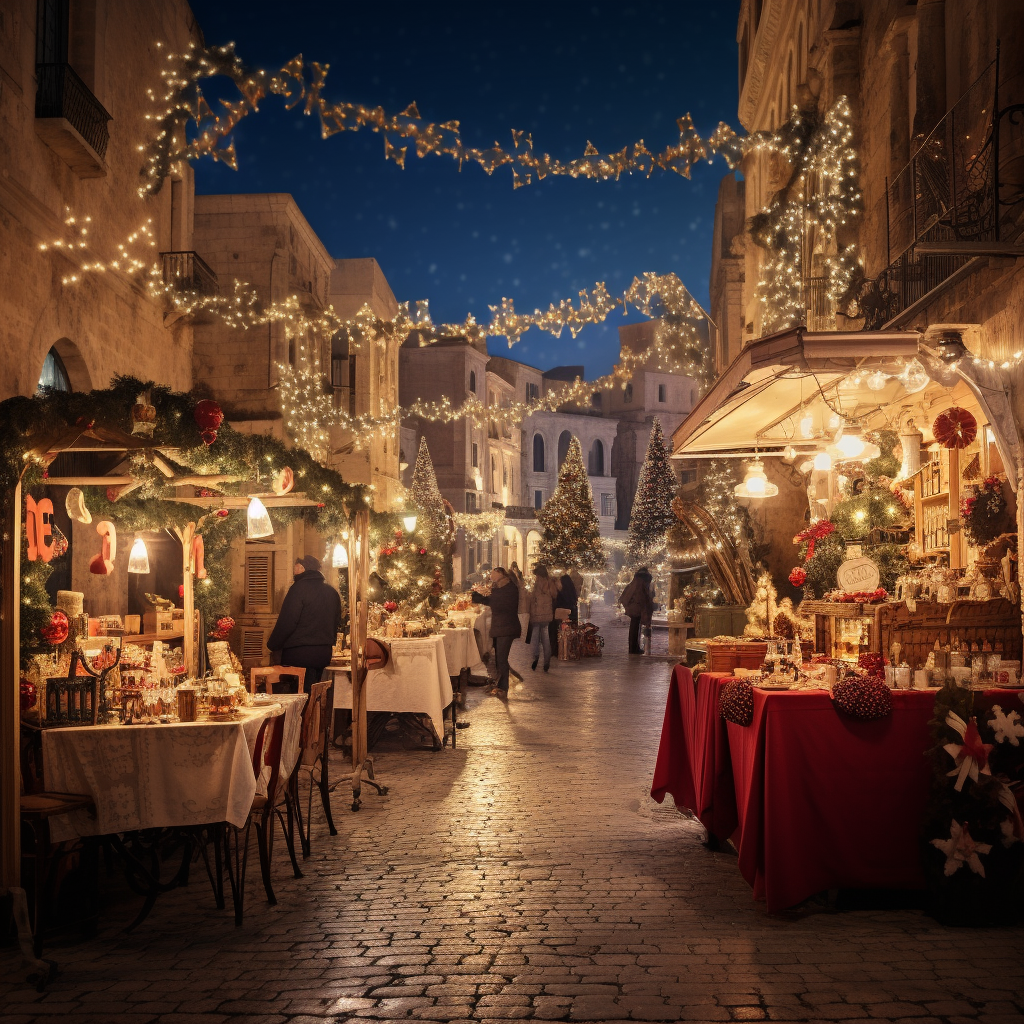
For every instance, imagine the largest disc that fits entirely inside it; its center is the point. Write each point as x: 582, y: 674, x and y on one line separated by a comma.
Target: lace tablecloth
x: 415, y: 680
x: 461, y: 651
x: 160, y: 776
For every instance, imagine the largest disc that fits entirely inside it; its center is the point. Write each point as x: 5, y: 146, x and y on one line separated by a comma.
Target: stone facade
x: 89, y: 63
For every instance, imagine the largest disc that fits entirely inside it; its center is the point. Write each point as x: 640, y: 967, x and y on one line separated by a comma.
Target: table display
x: 416, y: 680
x: 461, y: 651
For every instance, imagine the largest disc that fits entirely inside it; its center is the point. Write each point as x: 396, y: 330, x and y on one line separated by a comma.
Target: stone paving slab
x: 524, y: 875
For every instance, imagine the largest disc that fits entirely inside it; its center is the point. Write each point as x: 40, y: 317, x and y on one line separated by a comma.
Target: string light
x: 480, y: 525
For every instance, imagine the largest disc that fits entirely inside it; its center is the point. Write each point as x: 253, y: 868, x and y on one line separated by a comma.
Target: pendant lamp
x: 138, y: 560
x: 755, y: 483
x: 910, y: 444
x: 339, y: 557
x: 823, y: 462
x: 409, y: 522
x: 258, y: 520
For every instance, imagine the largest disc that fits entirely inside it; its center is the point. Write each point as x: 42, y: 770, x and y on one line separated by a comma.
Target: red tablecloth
x: 813, y: 799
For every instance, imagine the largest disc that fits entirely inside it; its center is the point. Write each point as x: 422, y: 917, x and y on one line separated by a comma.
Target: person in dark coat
x: 567, y: 598
x: 309, y: 621
x: 637, y: 602
x: 505, y: 626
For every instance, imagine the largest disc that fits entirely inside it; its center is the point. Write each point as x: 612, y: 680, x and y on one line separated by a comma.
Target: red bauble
x: 955, y: 428
x: 208, y: 415
x: 208, y: 436
x: 798, y: 577
x: 58, y: 629
x: 423, y: 551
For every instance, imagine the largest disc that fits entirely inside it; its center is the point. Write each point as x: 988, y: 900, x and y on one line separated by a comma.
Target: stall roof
x: 782, y: 385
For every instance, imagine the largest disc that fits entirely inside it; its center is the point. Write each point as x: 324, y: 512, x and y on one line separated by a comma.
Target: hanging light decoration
x: 910, y: 444
x: 877, y: 380
x: 138, y: 559
x: 409, y: 522
x: 836, y: 422
x: 913, y: 378
x: 339, y: 557
x: 823, y: 462
x: 756, y: 483
x: 850, y: 446
x: 807, y: 426
x: 258, y: 520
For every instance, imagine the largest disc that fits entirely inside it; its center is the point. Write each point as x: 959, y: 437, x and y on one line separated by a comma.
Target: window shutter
x: 259, y: 581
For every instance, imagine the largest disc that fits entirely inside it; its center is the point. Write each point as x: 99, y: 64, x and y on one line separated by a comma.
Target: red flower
x: 222, y: 513
x: 798, y: 577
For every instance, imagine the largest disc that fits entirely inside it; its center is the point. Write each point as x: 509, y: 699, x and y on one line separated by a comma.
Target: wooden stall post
x: 188, y: 574
x: 956, y: 556
x: 10, y: 696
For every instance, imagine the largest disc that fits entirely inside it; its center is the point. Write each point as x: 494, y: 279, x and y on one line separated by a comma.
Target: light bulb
x: 755, y: 483
x: 409, y: 522
x: 850, y: 446
x: 339, y: 557
x: 138, y: 560
x: 258, y: 520
x: 877, y: 380
x: 823, y: 461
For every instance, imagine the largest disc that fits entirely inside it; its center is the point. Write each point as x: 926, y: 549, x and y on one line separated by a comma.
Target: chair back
x: 266, y: 755
x: 315, y: 723
x: 268, y: 679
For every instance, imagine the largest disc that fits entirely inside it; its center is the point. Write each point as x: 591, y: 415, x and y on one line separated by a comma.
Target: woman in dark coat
x: 505, y: 627
x: 567, y: 598
x: 637, y: 602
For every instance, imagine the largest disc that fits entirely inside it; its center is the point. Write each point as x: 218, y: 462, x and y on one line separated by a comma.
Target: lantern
x: 910, y: 445
x: 755, y: 483
x: 138, y: 558
x: 409, y: 522
x: 258, y: 520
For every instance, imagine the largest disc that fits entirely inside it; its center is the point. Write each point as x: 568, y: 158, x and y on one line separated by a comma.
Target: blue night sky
x: 568, y: 72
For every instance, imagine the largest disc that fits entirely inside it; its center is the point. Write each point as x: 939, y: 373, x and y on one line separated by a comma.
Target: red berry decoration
x: 208, y: 416
x: 798, y: 577
x: 867, y: 699
x: 58, y: 629
x: 955, y: 428
x: 736, y: 702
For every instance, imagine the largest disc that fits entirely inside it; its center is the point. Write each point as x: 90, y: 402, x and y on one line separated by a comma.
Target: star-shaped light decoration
x: 971, y: 756
x: 1007, y: 728
x: 961, y: 849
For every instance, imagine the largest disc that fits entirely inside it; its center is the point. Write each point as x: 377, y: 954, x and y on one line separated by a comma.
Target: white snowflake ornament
x: 961, y: 849
x: 1007, y: 728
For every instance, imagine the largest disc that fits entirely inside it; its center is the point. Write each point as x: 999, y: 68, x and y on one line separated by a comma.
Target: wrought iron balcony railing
x: 188, y: 272
x: 61, y: 93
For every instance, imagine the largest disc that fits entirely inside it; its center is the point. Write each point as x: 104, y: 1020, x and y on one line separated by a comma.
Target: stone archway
x: 74, y: 363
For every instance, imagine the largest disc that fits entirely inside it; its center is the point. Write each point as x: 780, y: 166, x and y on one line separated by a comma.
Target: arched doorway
x: 532, y: 549
x: 595, y: 463
x: 64, y: 369
x: 564, y: 440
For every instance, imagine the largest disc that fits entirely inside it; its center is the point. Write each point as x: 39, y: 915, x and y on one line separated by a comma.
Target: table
x: 812, y: 799
x: 179, y: 774
x: 462, y: 652
x: 415, y: 680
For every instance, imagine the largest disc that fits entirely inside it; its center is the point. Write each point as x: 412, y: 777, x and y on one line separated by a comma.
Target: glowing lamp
x: 755, y: 483
x: 850, y: 446
x: 138, y: 560
x: 877, y: 380
x: 409, y: 522
x: 258, y: 520
x: 823, y: 462
x: 339, y: 557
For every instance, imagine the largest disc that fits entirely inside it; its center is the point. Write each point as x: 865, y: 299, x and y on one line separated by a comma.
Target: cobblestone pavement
x: 526, y: 874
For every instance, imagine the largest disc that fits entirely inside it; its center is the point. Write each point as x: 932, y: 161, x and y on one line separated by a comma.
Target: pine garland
x: 571, y: 530
x: 652, y: 514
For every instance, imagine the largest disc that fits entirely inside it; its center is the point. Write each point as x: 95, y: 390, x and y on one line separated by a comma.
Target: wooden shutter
x: 259, y: 581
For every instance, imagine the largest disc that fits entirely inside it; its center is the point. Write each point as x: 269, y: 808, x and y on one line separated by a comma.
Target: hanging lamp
x: 138, y: 559
x: 339, y: 556
x: 756, y: 483
x: 258, y: 523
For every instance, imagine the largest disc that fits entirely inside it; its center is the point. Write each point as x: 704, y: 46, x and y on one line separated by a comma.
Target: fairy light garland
x: 480, y: 525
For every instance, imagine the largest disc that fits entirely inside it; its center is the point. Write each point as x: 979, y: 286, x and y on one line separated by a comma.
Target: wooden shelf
x: 145, y: 638
x: 935, y: 499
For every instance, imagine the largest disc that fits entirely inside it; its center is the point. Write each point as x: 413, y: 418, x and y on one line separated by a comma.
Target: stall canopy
x: 796, y: 389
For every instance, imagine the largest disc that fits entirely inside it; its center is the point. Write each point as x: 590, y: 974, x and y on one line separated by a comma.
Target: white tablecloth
x: 159, y: 776
x: 477, y: 618
x: 461, y: 651
x: 415, y: 680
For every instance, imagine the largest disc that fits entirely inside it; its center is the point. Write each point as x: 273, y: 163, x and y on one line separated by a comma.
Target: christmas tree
x: 716, y: 494
x: 652, y: 511
x: 426, y: 495
x: 572, y: 537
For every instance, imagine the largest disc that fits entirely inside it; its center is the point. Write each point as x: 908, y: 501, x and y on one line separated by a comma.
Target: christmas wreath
x: 868, y: 698
x: 736, y: 702
x: 955, y: 428
x: 984, y: 512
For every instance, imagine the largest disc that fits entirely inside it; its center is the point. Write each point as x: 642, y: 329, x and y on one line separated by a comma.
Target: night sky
x: 606, y: 72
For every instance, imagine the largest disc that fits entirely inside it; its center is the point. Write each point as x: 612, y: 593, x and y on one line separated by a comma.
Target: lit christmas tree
x: 716, y: 494
x: 572, y: 537
x: 652, y: 513
x: 426, y: 495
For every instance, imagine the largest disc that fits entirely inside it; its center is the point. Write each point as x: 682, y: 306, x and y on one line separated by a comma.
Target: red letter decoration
x: 39, y: 528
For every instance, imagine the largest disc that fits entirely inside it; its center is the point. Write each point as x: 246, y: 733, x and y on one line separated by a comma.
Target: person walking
x: 505, y: 627
x: 565, y: 609
x: 542, y: 613
x: 638, y: 603
x: 309, y: 621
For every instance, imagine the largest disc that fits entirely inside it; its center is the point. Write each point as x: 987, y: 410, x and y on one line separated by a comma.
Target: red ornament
x: 863, y: 698
x: 58, y: 629
x: 222, y: 513
x: 955, y: 428
x: 28, y: 694
x: 390, y: 606
x: 423, y: 551
x: 181, y: 590
x: 208, y: 416
x: 798, y: 577
x: 208, y: 436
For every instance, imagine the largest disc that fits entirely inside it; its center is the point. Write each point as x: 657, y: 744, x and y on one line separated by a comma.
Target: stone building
x: 265, y: 241
x: 73, y: 81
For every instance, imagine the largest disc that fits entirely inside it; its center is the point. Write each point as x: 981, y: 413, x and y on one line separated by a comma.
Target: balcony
x: 188, y: 272
x: 70, y: 120
x: 946, y: 209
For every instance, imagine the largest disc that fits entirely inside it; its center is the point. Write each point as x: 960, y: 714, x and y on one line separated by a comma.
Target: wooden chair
x: 316, y: 723
x: 266, y: 763
x: 267, y: 679
x: 37, y: 807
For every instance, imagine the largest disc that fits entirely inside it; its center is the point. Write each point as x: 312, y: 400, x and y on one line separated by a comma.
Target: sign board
x: 857, y: 574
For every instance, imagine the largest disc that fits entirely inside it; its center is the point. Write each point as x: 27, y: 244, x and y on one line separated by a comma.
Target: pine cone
x: 863, y: 698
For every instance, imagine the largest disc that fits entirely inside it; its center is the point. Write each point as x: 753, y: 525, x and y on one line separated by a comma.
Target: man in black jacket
x: 505, y: 627
x: 309, y: 621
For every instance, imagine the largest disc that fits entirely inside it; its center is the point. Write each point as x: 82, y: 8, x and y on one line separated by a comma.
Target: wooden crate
x: 724, y: 657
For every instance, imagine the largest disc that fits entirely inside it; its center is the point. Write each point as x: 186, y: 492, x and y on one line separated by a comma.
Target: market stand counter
x: 812, y: 799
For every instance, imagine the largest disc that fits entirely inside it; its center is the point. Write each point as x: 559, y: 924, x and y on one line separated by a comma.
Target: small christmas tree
x: 716, y: 494
x: 572, y: 538
x: 426, y: 495
x: 652, y: 513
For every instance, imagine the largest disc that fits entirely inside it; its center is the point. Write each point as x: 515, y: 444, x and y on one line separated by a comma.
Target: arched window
x: 595, y: 464
x: 563, y: 446
x: 54, y: 375
x: 538, y: 453
x: 472, y: 381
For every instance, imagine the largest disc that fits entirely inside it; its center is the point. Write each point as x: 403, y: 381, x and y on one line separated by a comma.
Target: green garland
x: 28, y: 422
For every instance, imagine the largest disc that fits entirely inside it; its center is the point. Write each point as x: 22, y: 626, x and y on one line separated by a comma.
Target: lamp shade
x: 258, y: 520
x: 755, y: 483
x: 850, y: 446
x: 409, y: 522
x: 339, y: 557
x: 138, y: 560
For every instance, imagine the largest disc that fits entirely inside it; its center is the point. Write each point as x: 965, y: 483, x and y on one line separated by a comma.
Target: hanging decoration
x: 58, y: 629
x: 60, y: 542
x: 143, y: 415
x: 284, y: 481
x: 39, y: 528
x: 74, y: 503
x: 208, y: 416
x: 984, y: 512
x: 755, y: 483
x: 798, y: 576
x: 955, y: 428
x: 480, y: 525
x: 102, y: 564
